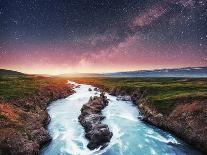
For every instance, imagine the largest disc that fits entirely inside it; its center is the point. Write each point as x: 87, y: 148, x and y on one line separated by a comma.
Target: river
x: 131, y: 136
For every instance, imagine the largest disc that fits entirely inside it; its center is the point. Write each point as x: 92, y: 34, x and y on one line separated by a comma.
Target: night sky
x: 63, y: 36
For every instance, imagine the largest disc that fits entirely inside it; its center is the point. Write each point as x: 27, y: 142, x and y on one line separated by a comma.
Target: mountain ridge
x: 174, y: 72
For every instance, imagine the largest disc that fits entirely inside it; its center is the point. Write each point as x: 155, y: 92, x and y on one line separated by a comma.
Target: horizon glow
x: 60, y: 37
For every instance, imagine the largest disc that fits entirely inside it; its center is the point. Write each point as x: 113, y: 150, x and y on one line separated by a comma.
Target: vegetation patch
x: 2, y: 117
x: 22, y: 86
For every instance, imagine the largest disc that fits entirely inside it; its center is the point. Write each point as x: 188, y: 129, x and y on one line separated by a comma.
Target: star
x: 124, y: 32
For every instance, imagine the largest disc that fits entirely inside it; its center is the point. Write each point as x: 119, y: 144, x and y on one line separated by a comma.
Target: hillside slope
x: 23, y: 115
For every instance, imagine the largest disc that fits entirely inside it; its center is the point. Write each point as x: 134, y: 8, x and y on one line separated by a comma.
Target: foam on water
x: 130, y: 135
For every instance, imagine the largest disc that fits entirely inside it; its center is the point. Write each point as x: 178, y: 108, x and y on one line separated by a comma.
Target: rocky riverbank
x: 187, y: 120
x: 23, y: 120
x: 90, y: 118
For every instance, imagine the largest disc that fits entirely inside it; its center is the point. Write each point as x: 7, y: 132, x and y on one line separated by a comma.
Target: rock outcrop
x: 97, y: 133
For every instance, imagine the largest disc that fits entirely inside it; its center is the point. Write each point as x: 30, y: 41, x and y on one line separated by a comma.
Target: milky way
x: 58, y: 36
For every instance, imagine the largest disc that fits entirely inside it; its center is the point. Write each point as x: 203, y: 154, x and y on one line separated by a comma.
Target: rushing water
x: 130, y: 135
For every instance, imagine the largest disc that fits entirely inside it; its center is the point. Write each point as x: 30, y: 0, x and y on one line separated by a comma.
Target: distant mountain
x: 9, y: 72
x: 178, y: 72
x: 81, y: 75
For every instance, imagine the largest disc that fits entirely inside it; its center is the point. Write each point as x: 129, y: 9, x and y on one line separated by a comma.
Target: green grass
x: 15, y: 86
x: 2, y: 117
x: 163, y: 92
x: 21, y: 86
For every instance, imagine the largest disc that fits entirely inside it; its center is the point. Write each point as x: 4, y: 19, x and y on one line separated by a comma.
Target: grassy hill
x: 15, y: 85
x: 23, y: 100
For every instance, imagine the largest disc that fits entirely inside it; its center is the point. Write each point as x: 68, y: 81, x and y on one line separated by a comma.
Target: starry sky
x: 65, y: 36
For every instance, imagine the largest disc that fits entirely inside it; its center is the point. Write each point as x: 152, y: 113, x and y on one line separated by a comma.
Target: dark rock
x: 41, y: 136
x: 98, y: 134
x: 89, y: 89
x: 77, y: 86
x: 15, y: 143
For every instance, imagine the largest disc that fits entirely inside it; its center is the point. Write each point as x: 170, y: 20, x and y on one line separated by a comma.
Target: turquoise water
x: 130, y: 135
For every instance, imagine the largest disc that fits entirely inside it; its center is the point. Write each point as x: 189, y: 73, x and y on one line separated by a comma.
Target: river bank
x: 187, y: 120
x: 185, y: 117
x: 23, y: 117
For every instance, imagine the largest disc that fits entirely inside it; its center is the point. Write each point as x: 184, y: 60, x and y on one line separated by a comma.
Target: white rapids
x: 131, y: 136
